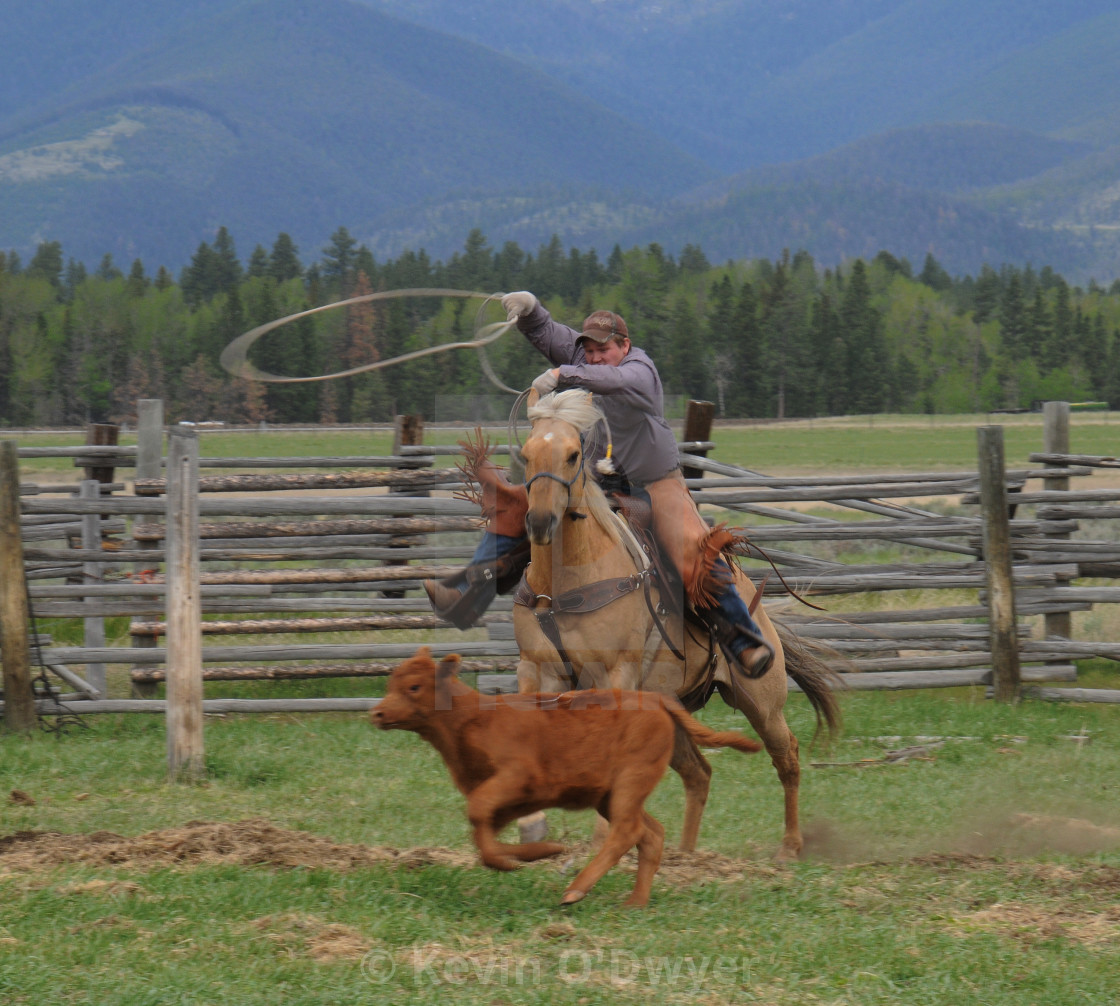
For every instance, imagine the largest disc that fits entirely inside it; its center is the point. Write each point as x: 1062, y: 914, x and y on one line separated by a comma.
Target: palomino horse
x: 581, y: 560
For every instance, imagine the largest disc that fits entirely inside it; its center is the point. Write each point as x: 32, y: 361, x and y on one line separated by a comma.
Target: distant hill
x: 978, y: 130
x: 754, y: 82
x: 960, y: 192
x: 283, y: 115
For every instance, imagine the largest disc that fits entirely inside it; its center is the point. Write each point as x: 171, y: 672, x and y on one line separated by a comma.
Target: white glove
x: 546, y: 383
x: 517, y: 305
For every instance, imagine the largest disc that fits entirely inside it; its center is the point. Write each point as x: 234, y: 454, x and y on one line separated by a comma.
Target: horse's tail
x: 808, y: 663
x: 703, y: 735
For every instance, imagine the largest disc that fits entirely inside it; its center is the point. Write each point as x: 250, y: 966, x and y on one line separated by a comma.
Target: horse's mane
x: 573, y: 406
x: 576, y: 408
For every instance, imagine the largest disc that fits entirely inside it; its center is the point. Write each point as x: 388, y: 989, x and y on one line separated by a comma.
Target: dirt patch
x: 298, y: 935
x: 253, y: 842
x: 1028, y: 924
x: 258, y: 842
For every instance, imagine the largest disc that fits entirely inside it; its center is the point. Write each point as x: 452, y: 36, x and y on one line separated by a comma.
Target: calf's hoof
x: 572, y: 895
x: 531, y: 851
x: 533, y: 828
x: 496, y: 861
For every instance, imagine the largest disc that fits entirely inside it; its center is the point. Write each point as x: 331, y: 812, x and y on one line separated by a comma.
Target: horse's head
x: 555, y: 473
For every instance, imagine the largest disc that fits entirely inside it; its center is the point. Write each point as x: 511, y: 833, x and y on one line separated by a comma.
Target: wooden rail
x: 329, y: 560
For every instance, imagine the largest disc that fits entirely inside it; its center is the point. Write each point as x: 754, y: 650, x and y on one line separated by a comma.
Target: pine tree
x: 75, y: 276
x: 366, y: 265
x: 227, y: 267
x: 934, y: 276
x: 106, y: 270
x: 47, y: 263
x: 360, y: 348
x: 509, y: 267
x: 258, y: 263
x: 693, y: 260
x: 1039, y: 326
x: 862, y: 332
x: 690, y: 360
x: 199, y: 280
x: 547, y: 273
x: 1094, y: 354
x: 830, y: 358
x: 283, y: 260
x: 137, y: 283
x: 338, y: 260
x: 719, y: 337
x: 747, y: 393
x: 1013, y: 318
x: 473, y: 270
x: 1055, y: 350
x: 986, y: 296
x: 615, y: 265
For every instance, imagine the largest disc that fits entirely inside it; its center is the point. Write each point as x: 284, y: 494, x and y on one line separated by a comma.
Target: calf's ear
x: 446, y: 672
x: 448, y: 667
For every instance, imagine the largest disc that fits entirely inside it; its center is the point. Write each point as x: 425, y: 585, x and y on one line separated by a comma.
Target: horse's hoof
x: 572, y: 895
x: 787, y: 854
x: 534, y: 828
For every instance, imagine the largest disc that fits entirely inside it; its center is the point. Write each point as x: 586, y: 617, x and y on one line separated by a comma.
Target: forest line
x: 759, y: 338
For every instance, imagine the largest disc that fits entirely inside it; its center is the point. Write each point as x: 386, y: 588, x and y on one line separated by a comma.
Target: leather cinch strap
x: 589, y: 597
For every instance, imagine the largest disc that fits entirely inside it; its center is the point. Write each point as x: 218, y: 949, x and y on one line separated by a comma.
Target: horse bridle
x: 566, y: 483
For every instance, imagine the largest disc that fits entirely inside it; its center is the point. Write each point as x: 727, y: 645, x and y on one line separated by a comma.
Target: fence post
x: 408, y: 431
x: 15, y: 643
x: 185, y: 753
x: 697, y: 426
x: 93, y: 626
x: 102, y: 435
x: 149, y: 465
x: 997, y: 559
x: 1055, y: 440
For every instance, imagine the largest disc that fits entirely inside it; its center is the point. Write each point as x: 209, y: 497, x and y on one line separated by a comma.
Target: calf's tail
x: 704, y: 736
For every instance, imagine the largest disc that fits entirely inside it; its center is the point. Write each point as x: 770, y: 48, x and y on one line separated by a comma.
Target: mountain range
x: 981, y: 131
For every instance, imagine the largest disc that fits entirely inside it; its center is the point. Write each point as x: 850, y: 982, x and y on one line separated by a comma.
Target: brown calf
x: 511, y: 755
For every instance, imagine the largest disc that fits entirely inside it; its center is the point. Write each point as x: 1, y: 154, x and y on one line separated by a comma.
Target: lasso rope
x: 235, y: 359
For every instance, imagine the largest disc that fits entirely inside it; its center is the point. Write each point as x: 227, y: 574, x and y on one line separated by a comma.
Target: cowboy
x: 627, y: 388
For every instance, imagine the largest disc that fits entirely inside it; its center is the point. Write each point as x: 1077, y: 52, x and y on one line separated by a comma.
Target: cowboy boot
x: 497, y: 565
x: 737, y: 633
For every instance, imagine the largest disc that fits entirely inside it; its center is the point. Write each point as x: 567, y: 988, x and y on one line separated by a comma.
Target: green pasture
x: 835, y: 446
x: 983, y: 871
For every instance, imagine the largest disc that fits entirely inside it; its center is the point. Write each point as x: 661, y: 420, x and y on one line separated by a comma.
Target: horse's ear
x: 534, y: 397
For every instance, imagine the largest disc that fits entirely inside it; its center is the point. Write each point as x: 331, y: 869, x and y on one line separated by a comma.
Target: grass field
x: 841, y: 445
x: 983, y: 871
x: 323, y: 862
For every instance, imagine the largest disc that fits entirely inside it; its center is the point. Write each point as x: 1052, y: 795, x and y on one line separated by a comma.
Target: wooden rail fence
x: 321, y: 552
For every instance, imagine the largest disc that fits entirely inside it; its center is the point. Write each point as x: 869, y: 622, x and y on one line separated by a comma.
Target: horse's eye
x: 413, y: 689
x: 573, y: 457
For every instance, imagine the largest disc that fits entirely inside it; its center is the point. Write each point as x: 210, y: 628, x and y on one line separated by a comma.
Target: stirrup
x: 724, y: 631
